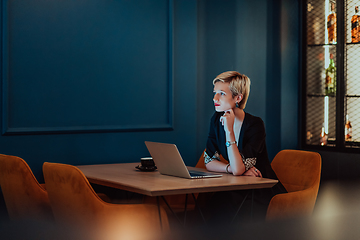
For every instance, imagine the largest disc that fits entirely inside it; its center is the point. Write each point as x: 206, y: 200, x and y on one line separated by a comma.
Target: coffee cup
x: 147, y: 162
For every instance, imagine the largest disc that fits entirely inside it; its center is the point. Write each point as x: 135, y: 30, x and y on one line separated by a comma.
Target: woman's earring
x: 237, y: 104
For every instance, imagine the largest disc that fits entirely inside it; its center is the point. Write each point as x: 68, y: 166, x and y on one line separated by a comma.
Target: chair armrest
x: 292, y: 204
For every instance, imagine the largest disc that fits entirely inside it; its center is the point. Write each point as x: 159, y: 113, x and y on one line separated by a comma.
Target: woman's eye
x: 220, y: 93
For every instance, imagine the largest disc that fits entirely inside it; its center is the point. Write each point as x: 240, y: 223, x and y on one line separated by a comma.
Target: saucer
x: 146, y: 169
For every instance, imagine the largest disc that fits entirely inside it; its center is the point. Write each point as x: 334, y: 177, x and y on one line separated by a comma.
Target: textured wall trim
x: 90, y: 129
x: 4, y: 69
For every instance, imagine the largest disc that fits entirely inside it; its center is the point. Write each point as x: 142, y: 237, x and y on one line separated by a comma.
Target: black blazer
x: 251, y: 144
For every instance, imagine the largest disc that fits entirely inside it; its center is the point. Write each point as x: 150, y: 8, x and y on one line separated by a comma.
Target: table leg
x: 185, y: 211
x: 198, y: 207
x: 158, y: 203
x: 172, y: 211
x: 240, y: 207
x: 186, y: 199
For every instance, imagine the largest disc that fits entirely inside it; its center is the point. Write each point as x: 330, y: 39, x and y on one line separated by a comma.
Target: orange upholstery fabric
x: 74, y: 202
x: 24, y: 197
x: 299, y: 172
x: 201, y: 163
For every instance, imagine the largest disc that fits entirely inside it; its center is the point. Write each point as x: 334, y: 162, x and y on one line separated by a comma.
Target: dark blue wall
x: 89, y: 81
x: 260, y: 39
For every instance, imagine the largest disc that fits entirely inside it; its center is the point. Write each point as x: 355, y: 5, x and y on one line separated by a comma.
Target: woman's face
x: 223, y: 99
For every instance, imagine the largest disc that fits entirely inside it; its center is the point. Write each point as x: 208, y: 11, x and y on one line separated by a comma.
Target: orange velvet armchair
x: 299, y: 172
x: 24, y: 197
x: 75, y: 203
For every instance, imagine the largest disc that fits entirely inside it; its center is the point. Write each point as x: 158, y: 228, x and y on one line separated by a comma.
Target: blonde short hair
x: 239, y: 84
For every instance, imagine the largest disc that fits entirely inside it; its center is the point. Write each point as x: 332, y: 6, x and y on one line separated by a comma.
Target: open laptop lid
x: 168, y: 159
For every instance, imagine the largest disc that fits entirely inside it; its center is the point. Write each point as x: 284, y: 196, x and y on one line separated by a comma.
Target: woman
x: 240, y: 138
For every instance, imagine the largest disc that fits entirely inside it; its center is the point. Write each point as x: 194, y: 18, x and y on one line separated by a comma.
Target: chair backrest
x: 201, y: 162
x: 297, y: 170
x: 24, y: 197
x: 71, y: 195
x: 74, y: 202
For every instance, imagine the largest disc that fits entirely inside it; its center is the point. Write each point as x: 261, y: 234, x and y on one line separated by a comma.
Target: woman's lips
x: 216, y: 104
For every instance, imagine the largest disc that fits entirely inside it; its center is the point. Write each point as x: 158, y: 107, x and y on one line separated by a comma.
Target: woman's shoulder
x: 252, y: 120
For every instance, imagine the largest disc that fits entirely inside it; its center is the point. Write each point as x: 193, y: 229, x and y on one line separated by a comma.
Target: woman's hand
x: 253, y: 171
x: 227, y: 120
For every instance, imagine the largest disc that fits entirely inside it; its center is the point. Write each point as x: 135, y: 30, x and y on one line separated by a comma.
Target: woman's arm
x: 214, y: 164
x: 217, y: 166
x: 253, y: 171
x: 211, y: 155
x: 235, y: 159
x: 237, y: 166
x: 254, y: 143
x: 212, y: 158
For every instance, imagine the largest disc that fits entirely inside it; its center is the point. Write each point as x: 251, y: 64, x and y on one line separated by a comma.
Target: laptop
x: 168, y: 160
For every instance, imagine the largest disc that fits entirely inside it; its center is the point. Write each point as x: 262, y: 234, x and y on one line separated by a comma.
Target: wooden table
x: 126, y: 177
